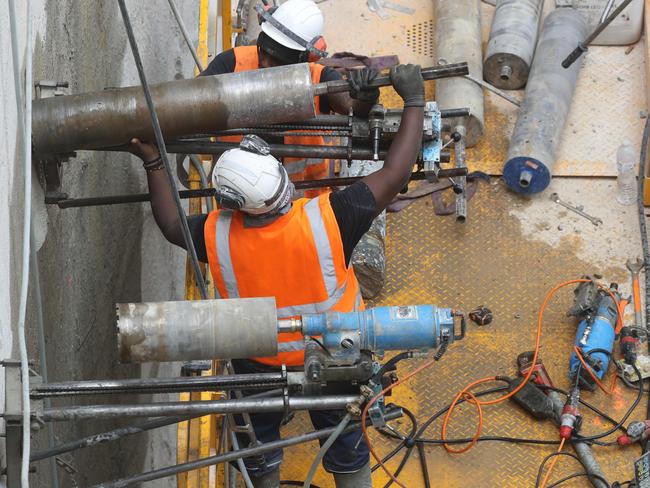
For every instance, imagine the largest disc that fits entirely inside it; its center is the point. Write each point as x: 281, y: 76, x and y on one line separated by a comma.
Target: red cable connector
x: 570, y: 414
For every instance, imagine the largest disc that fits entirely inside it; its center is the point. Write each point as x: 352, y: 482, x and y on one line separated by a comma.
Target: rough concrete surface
x: 94, y: 257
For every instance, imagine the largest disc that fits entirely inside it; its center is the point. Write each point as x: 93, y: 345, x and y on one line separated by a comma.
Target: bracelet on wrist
x: 154, y: 165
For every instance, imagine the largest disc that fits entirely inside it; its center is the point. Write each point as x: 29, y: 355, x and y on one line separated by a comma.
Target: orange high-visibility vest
x: 298, y: 259
x: 299, y: 169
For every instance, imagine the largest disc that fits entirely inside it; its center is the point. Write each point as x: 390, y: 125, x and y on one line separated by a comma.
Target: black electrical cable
x: 405, y: 458
x: 160, y: 141
x: 621, y: 423
x: 552, y: 455
x: 579, y: 475
x: 422, y: 452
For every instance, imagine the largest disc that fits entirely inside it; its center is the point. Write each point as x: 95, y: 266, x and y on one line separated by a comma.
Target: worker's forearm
x: 341, y: 103
x: 361, y: 109
x: 405, y: 148
x: 389, y: 180
x: 163, y: 207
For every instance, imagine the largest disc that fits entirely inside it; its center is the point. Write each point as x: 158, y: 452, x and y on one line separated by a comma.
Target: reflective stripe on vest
x: 291, y: 346
x: 222, y: 238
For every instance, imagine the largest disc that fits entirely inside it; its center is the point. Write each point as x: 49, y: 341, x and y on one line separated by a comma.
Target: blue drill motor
x: 597, y: 313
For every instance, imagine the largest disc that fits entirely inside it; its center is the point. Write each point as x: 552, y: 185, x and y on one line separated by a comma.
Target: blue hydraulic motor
x: 597, y: 312
x: 417, y: 327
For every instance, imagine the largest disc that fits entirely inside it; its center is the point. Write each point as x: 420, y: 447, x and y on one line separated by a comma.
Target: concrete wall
x: 90, y: 258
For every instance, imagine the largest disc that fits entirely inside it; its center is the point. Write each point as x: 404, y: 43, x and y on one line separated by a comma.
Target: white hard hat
x: 302, y: 17
x: 253, y: 183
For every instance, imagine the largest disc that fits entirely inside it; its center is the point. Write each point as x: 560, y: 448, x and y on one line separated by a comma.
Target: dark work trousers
x: 348, y: 454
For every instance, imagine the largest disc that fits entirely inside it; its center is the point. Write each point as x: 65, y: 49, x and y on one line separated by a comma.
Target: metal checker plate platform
x: 612, y: 80
x: 486, y: 261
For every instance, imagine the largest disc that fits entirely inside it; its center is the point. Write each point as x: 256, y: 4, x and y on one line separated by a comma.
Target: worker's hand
x: 360, y: 88
x: 408, y: 83
x: 144, y: 150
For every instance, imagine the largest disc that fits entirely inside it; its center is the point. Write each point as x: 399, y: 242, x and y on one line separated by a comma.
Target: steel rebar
x: 160, y: 385
x: 210, y: 192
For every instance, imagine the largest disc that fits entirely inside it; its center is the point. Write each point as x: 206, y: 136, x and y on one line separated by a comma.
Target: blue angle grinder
x: 597, y: 312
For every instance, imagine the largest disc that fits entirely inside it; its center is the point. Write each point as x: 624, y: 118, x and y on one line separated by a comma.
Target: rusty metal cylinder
x: 458, y: 34
x: 201, y: 329
x: 185, y: 107
x: 545, y: 108
x: 512, y: 42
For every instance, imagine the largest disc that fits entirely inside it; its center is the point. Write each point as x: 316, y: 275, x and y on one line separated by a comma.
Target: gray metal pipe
x: 543, y: 113
x: 582, y: 449
x: 257, y: 405
x: 458, y: 33
x: 512, y: 41
x: 205, y: 329
x: 160, y: 385
x: 234, y: 455
x: 185, y: 107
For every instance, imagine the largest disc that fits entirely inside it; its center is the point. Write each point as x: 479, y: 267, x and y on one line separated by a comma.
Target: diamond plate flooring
x: 484, y: 262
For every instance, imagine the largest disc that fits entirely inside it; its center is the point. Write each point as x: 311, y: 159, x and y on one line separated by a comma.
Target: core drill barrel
x: 546, y: 104
x: 199, y: 329
x: 458, y: 34
x: 512, y: 42
x: 185, y: 107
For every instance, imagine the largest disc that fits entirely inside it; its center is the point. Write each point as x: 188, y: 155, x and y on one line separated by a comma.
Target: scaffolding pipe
x: 331, y: 402
x: 234, y: 455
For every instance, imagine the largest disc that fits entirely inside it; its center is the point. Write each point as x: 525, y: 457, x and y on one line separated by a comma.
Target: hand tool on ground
x: 635, y: 268
x: 531, y: 398
x: 605, y: 20
x: 598, y: 314
x: 579, y: 210
x: 540, y: 375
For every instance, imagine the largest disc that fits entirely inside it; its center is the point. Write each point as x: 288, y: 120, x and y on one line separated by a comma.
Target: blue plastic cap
x: 526, y: 175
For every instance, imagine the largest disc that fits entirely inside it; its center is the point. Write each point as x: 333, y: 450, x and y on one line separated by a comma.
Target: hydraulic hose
x: 25, y: 126
x: 324, y: 448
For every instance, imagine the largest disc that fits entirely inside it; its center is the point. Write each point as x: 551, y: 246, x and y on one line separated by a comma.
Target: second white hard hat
x: 302, y: 17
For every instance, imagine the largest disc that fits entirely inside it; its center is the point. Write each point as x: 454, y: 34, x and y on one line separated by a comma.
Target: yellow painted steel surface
x: 197, y: 438
x: 487, y: 261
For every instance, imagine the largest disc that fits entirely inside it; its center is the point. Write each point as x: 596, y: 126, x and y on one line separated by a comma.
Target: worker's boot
x: 268, y: 480
x: 358, y: 479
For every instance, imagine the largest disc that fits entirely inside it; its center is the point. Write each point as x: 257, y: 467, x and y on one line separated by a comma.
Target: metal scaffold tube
x: 234, y: 455
x: 57, y: 414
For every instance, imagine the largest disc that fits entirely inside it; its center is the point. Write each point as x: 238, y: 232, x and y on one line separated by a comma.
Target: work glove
x: 408, y: 83
x: 360, y: 88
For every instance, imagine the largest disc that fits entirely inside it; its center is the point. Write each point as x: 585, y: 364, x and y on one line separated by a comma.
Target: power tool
x: 597, y: 312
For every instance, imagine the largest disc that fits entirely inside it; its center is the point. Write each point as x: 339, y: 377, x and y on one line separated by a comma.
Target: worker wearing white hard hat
x: 260, y: 243
x: 292, y: 33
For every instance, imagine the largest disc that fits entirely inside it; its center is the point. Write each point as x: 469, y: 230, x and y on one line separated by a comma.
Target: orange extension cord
x: 466, y: 394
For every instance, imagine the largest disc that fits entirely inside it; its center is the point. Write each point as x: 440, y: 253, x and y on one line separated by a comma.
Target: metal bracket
x: 13, y: 421
x: 50, y: 166
x: 432, y: 148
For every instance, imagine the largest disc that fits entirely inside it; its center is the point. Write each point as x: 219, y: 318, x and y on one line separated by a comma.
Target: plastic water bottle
x: 626, y: 180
